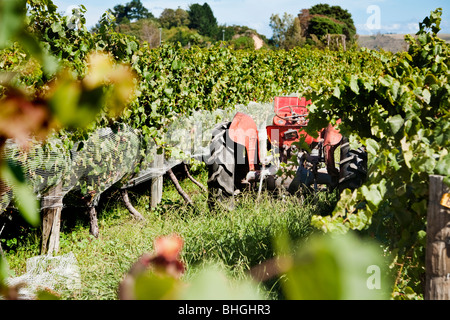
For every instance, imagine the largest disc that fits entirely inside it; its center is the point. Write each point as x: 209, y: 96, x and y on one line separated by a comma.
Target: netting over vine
x: 116, y: 156
x: 44, y: 165
x: 107, y: 157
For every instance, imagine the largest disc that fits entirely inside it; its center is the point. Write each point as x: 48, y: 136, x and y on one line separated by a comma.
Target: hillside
x: 388, y: 42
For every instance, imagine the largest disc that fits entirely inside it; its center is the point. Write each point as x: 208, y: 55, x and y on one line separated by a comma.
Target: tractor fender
x: 331, y: 140
x: 331, y: 135
x: 243, y: 130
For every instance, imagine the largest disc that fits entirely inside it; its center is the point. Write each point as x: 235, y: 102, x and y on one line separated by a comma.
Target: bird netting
x: 44, y: 165
x: 60, y: 274
x: 107, y: 157
x: 116, y: 156
x: 187, y: 139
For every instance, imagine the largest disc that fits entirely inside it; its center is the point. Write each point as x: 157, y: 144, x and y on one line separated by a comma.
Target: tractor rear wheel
x: 227, y: 167
x: 221, y: 167
x: 353, y: 167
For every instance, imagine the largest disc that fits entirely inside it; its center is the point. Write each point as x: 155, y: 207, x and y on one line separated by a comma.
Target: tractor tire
x: 353, y: 167
x: 221, y: 168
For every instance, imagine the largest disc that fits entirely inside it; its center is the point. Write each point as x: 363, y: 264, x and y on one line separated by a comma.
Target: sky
x: 370, y: 16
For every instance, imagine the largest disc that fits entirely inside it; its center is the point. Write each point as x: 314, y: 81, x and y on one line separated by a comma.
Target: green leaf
x: 368, y: 85
x: 337, y: 268
x: 168, y: 92
x: 12, y: 17
x: 430, y: 79
x: 372, y: 194
x: 392, y: 161
x: 24, y: 198
x: 394, y: 88
x: 443, y: 166
x: 396, y: 122
x: 426, y: 96
x: 372, y: 146
x: 210, y: 282
x: 406, y: 151
x: 56, y: 27
x: 151, y: 286
x: 46, y: 295
x: 3, y: 269
x: 354, y: 84
x: 177, y: 64
x: 337, y: 92
x: 447, y: 181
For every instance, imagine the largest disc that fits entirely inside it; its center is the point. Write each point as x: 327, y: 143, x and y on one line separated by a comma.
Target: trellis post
x: 437, y: 264
x: 157, y: 183
x: 51, y: 204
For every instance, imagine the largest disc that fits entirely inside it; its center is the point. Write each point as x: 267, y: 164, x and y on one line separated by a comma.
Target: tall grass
x: 237, y: 239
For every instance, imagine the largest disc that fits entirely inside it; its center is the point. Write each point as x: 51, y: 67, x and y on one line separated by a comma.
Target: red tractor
x: 239, y: 154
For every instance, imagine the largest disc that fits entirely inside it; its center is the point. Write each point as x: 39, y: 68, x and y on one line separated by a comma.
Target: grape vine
x: 396, y: 105
x: 402, y: 118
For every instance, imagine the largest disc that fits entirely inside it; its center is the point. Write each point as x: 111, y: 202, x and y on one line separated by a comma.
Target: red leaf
x: 169, y: 247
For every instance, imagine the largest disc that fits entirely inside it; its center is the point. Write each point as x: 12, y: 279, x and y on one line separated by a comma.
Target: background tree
x: 335, y: 12
x: 287, y: 32
x: 185, y: 36
x: 280, y: 26
x: 132, y: 11
x: 202, y: 19
x: 321, y: 26
x: 145, y: 30
x: 294, y: 36
x: 134, y: 19
x: 170, y: 18
x: 322, y: 19
x: 243, y: 42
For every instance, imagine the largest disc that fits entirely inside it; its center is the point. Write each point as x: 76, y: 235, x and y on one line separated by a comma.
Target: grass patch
x: 236, y: 240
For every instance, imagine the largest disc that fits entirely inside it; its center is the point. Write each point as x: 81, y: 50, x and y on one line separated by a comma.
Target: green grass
x: 237, y: 239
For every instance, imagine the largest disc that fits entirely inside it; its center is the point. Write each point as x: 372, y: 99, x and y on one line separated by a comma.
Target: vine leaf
x: 372, y: 146
x: 407, y: 152
x: 372, y: 194
x: 354, y: 84
x: 396, y: 122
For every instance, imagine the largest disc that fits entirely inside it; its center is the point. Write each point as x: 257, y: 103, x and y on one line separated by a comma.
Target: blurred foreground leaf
x: 24, y: 198
x: 153, y: 286
x: 78, y: 103
x: 213, y: 284
x: 338, y: 268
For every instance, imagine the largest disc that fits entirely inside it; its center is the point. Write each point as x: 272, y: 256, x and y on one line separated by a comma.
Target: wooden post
x: 157, y: 183
x: 437, y: 263
x: 51, y: 220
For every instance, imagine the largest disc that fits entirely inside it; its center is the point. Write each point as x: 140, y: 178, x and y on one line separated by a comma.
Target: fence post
x: 157, y: 183
x: 437, y: 261
x: 51, y: 220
